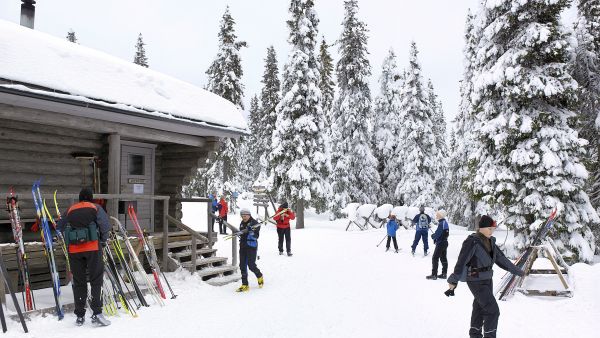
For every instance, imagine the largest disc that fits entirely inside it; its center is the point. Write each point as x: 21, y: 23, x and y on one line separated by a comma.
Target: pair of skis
x: 236, y: 234
x: 510, y: 281
x: 12, y: 206
x: 38, y: 201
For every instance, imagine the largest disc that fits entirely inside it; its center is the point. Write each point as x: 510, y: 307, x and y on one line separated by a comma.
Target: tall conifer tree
x: 140, y: 57
x: 299, y: 156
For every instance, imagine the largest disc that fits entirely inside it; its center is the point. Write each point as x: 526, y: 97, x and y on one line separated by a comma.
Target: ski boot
x: 79, y: 321
x: 426, y: 253
x: 442, y: 276
x: 261, y: 282
x: 431, y: 277
x: 99, y: 320
x: 289, y: 254
x: 413, y: 253
x: 387, y: 249
x: 243, y: 288
x: 396, y: 251
x: 280, y: 253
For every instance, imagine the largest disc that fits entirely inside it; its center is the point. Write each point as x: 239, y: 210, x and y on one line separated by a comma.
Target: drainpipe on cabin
x: 27, y: 13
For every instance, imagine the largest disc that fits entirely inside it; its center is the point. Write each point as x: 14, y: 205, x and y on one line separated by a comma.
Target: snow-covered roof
x: 32, y: 58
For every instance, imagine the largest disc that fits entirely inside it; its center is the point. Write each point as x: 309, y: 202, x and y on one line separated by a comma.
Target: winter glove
x: 450, y: 291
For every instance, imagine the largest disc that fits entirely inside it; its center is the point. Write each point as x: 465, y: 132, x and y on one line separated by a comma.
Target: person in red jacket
x: 283, y: 216
x: 223, y: 210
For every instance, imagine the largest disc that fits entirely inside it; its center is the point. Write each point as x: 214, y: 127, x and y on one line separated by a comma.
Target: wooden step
x: 181, y: 244
x: 224, y: 280
x: 204, y: 252
x: 208, y: 273
x: 205, y: 261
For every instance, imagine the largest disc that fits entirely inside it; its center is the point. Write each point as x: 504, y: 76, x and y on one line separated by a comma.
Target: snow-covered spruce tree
x: 225, y: 79
x: 461, y: 205
x: 270, y: 97
x: 586, y: 70
x: 140, y: 57
x: 440, y: 153
x: 355, y: 177
x: 529, y: 157
x: 417, y: 186
x: 255, y: 145
x: 326, y: 83
x: 71, y: 36
x: 387, y: 121
x: 299, y: 145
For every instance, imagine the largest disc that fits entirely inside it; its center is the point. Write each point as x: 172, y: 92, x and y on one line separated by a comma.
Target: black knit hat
x: 486, y: 221
x: 86, y: 194
x: 284, y: 205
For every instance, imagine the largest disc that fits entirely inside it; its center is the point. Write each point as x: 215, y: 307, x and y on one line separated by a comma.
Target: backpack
x: 423, y: 221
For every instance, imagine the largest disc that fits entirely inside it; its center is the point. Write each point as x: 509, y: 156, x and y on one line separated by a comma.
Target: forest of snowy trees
x: 524, y: 139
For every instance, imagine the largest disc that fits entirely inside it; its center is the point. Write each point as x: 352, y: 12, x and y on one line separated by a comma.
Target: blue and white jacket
x: 442, y: 232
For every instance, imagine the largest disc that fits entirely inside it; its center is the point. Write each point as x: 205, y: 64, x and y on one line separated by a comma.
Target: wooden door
x: 137, y: 177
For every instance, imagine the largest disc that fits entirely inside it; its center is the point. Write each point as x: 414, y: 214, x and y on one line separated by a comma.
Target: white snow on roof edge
x: 32, y: 57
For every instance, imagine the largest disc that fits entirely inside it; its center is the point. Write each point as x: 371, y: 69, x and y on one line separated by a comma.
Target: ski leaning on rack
x: 137, y: 264
x: 4, y: 279
x: 127, y: 271
x: 12, y: 206
x: 154, y: 258
x: 47, y: 237
x: 510, y: 281
x: 151, y: 258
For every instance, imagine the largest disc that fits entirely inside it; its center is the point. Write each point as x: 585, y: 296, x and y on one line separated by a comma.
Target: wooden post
x: 300, y: 214
x: 165, y: 243
x: 194, y: 254
x: 209, y: 224
x: 234, y: 252
x: 114, y: 173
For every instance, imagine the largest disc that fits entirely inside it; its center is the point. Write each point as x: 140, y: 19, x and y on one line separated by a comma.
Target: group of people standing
x: 476, y: 259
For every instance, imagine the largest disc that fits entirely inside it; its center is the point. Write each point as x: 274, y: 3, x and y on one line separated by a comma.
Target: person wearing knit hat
x: 282, y: 217
x: 422, y: 223
x: 477, y: 256
x: 248, y: 234
x: 440, y: 239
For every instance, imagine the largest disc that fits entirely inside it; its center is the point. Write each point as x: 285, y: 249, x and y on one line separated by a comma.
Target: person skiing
x: 85, y: 227
x: 474, y: 265
x: 223, y: 210
x: 392, y: 227
x: 440, y: 239
x: 421, y: 222
x: 249, y: 233
x: 282, y: 217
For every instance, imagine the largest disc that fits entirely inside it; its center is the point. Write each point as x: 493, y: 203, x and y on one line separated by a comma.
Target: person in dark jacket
x: 223, y: 210
x: 249, y: 233
x: 282, y: 217
x: 85, y: 226
x: 474, y: 265
x: 440, y: 239
x: 392, y: 227
x: 421, y: 222
x: 214, y: 208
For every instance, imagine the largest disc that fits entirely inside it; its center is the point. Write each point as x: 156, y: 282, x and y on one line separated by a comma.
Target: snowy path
x: 338, y: 284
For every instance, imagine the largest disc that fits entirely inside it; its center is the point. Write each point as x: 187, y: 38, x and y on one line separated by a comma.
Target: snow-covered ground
x: 339, y: 284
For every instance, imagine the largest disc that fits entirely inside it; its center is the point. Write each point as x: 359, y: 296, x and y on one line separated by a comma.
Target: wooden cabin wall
x: 175, y: 165
x: 33, y: 151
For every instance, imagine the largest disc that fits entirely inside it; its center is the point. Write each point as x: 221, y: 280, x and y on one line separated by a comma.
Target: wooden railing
x: 234, y: 250
x: 195, y: 237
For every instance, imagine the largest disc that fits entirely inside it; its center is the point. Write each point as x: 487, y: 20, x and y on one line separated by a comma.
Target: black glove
x: 450, y: 292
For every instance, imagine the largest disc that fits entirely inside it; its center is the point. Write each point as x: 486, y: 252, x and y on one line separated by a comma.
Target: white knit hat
x: 245, y: 211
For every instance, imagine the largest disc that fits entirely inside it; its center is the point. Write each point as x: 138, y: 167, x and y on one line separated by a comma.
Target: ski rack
x: 548, y: 247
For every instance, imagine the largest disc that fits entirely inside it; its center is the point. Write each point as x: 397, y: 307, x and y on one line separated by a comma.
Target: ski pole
x: 384, y: 237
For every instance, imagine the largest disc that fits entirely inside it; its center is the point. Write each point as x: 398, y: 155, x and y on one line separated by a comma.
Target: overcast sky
x: 181, y: 36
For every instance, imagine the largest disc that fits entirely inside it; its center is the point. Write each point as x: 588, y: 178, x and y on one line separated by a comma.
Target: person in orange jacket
x: 283, y: 217
x: 223, y: 210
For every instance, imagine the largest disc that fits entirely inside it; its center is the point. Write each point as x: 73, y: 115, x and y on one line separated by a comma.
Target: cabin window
x: 136, y: 164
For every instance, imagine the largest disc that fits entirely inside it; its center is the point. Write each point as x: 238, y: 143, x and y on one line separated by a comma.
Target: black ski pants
x: 387, y: 245
x: 222, y: 226
x: 248, y: 261
x: 285, y: 232
x: 485, y: 309
x: 87, y: 266
x: 439, y: 255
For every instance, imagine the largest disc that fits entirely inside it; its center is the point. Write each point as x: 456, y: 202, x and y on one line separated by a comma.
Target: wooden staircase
x: 211, y: 268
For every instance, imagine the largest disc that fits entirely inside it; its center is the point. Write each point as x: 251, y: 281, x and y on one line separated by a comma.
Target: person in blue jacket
x: 215, y: 208
x: 440, y: 239
x: 392, y: 226
x: 421, y: 222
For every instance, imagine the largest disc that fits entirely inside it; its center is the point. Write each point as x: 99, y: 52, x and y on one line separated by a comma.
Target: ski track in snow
x: 339, y: 284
